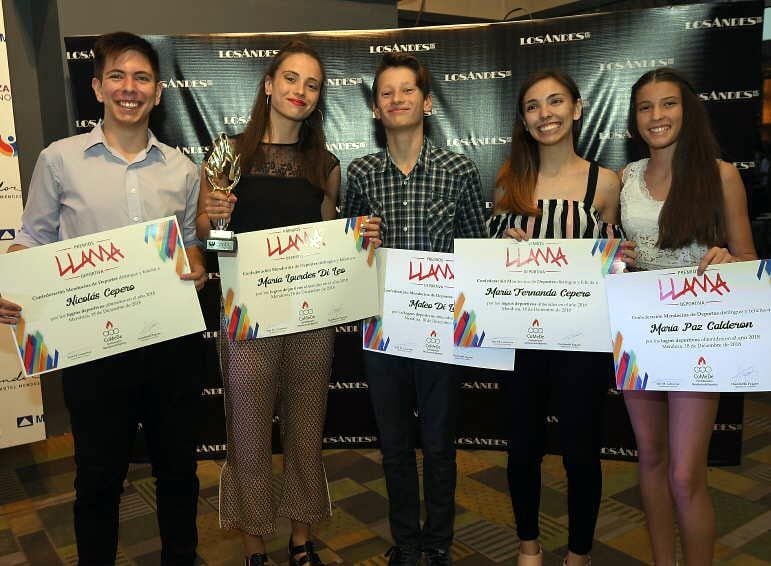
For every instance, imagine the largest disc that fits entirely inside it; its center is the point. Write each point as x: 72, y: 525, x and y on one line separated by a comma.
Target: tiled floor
x: 36, y: 495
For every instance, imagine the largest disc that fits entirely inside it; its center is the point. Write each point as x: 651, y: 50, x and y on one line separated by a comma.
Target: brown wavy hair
x: 694, y: 208
x: 518, y: 175
x: 312, y: 142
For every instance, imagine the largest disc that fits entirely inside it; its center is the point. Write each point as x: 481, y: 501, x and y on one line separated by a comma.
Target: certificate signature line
x: 570, y: 338
x: 744, y: 373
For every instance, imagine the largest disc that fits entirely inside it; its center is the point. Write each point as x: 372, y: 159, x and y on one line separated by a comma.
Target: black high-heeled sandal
x: 256, y: 560
x: 308, y: 553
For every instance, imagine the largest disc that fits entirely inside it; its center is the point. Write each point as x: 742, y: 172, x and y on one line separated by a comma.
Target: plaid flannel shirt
x: 439, y: 200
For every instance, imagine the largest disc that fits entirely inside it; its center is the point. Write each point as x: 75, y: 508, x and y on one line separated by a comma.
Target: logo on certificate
x: 295, y: 242
x: 8, y: 147
x: 111, y: 334
x: 433, y: 343
x: 702, y: 372
x: 535, y: 333
x: 536, y: 255
x: 305, y: 314
x: 693, y: 287
x: 421, y: 270
x: 91, y: 255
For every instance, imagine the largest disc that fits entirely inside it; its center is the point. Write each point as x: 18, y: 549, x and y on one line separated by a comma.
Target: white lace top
x: 640, y: 219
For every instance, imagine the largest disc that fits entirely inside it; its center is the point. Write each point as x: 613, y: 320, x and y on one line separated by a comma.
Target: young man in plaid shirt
x: 426, y: 196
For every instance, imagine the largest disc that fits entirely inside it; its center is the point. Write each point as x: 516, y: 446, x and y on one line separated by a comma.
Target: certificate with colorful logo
x: 98, y: 295
x: 416, y: 319
x: 298, y: 278
x: 538, y: 294
x: 675, y: 330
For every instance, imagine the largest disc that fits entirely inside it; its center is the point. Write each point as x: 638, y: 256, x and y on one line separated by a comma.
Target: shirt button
x: 136, y: 219
x: 133, y: 190
x: 405, y: 203
x: 405, y: 228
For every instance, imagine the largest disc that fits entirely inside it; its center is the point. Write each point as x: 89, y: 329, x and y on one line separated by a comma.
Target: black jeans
x: 398, y: 386
x: 579, y: 381
x: 158, y: 386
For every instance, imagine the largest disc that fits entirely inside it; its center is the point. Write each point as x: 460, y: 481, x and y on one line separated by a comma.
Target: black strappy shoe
x: 256, y: 560
x: 307, y: 552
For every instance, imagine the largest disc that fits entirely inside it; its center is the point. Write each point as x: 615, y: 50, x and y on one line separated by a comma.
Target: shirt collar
x: 421, y: 163
x: 96, y: 137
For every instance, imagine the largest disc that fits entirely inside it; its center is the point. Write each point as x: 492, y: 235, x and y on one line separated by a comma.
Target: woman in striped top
x: 545, y: 190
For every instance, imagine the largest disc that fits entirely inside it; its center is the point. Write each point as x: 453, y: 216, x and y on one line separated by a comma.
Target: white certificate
x: 298, y: 278
x: 98, y: 295
x: 417, y: 312
x: 674, y: 330
x: 538, y: 294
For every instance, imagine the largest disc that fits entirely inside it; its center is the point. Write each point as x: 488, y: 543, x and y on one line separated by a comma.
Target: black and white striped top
x: 560, y: 218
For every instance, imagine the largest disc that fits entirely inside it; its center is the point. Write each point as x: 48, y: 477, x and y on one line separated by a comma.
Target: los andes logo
x: 422, y: 270
x: 282, y: 244
x: 8, y: 146
x: 535, y: 332
x: 536, y: 257
x: 672, y: 289
x: 702, y: 371
x: 94, y: 256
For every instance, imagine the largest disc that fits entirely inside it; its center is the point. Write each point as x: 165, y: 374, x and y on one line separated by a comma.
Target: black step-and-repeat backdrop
x: 210, y: 85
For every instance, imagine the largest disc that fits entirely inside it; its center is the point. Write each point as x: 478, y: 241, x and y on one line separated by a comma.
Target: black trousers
x: 579, y: 381
x: 399, y: 386
x: 158, y: 386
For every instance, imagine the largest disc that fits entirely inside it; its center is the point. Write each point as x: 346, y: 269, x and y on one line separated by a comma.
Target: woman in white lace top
x: 683, y: 207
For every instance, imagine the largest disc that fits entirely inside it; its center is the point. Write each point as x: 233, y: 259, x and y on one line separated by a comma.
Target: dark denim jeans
x: 398, y: 387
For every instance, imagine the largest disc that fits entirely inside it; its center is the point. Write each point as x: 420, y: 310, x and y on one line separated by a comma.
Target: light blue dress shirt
x: 81, y: 186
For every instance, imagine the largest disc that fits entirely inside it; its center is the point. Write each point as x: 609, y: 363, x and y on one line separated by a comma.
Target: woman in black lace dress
x: 288, y: 177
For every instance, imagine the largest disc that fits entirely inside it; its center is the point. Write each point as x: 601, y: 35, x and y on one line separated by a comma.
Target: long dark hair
x: 693, y: 209
x: 518, y: 175
x: 312, y: 142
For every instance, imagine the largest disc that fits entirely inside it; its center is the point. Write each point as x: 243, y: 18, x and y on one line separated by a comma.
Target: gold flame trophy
x: 222, y: 164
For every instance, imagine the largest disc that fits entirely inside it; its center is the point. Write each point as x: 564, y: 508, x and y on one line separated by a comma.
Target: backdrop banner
x: 210, y: 83
x: 21, y: 403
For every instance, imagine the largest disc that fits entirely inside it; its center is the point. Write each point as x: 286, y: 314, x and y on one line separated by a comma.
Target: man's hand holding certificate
x: 99, y: 295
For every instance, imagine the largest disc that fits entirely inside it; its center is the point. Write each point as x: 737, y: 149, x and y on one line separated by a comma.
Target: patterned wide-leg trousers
x: 292, y: 372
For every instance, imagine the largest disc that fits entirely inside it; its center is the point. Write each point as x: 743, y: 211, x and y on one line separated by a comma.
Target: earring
x: 268, y: 101
x: 320, y: 113
x: 426, y: 114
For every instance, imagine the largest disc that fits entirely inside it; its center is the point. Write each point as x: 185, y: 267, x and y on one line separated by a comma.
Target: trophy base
x: 221, y: 241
